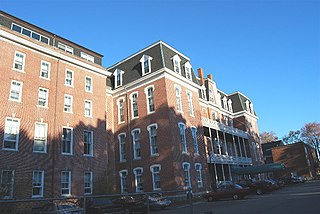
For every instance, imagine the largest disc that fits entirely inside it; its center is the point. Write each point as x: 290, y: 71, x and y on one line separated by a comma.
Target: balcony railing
x: 220, y: 126
x: 227, y: 159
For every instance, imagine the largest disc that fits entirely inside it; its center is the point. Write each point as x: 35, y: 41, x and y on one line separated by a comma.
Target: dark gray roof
x: 238, y: 102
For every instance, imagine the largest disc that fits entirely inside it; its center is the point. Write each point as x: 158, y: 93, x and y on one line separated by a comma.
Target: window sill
x: 69, y: 112
x: 67, y: 154
x: 139, y: 158
x: 45, y: 107
x: 17, y: 101
x: 88, y: 156
x: 18, y: 70
x: 88, y: 116
x: 44, y: 78
x: 11, y: 150
x: 39, y: 152
x: 123, y: 161
x: 155, y: 155
x: 37, y: 196
x: 70, y: 86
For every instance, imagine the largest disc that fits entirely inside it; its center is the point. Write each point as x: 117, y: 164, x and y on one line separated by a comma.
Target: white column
x: 230, y: 172
x: 244, y: 146
x: 215, y: 172
x: 224, y: 177
x: 225, y: 142
x: 240, y: 147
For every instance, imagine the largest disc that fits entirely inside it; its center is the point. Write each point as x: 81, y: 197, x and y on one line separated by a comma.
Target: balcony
x: 227, y: 159
x: 220, y: 126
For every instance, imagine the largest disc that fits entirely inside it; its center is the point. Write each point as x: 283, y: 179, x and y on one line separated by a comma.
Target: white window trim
x: 47, y: 98
x: 177, y: 59
x: 131, y: 105
x: 134, y: 143
x: 142, y: 60
x: 91, y: 108
x: 120, y: 156
x: 189, y: 176
x: 180, y: 98
x: 87, y: 57
x: 115, y: 74
x: 147, y: 99
x: 46, y: 140
x: 190, y: 103
x: 49, y: 70
x: 118, y: 104
x: 91, y: 187
x: 71, y: 141
x: 188, y: 65
x: 184, y: 144
x: 71, y: 107
x: 85, y: 84
x: 200, y: 184
x: 135, y: 177
x: 23, y: 61
x: 69, y: 182
x: 18, y: 135
x: 195, y: 140
x: 72, y: 80
x: 121, y: 184
x: 152, y: 175
x: 12, y: 182
x: 149, y: 130
x: 91, y: 146
x: 42, y: 183
x: 20, y: 93
x: 64, y: 48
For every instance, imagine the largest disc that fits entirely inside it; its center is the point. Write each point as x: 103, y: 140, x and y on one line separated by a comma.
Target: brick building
x: 148, y: 123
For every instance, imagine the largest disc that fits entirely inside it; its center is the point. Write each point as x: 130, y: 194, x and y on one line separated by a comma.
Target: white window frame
x: 203, y: 92
x: 87, y: 57
x: 153, y: 176
x: 15, y: 129
x: 123, y: 183
x: 86, y: 186
x: 11, y: 183
x: 19, y: 62
x: 90, y: 145
x: 225, y: 105
x: 12, y: 89
x: 118, y: 74
x: 183, y: 140
x: 65, y: 105
x: 187, y: 177
x: 67, y: 78
x: 136, y: 142
x: 40, y: 99
x: 71, y: 141
x: 42, y: 137
x: 90, y: 86
x: 88, y: 108
x: 149, y: 104
x: 122, y: 147
x: 45, y: 69
x: 211, y: 95
x: 198, y: 169
x: 121, y: 110
x: 176, y: 64
x: 145, y: 58
x: 150, y: 140
x: 65, y: 48
x: 35, y: 184
x: 190, y: 103
x: 41, y: 37
x: 251, y: 108
x: 136, y: 184
x: 134, y: 102
x: 68, y: 182
x: 188, y: 70
x: 194, y: 140
x: 177, y: 90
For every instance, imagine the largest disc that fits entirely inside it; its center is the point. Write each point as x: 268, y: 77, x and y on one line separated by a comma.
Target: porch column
x: 240, y: 146
x: 244, y: 146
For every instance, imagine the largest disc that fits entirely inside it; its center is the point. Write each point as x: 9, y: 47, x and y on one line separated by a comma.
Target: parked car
x: 234, y: 191
x: 58, y: 208
x: 157, y: 201
x: 292, y: 179
x: 104, y: 205
x: 261, y: 187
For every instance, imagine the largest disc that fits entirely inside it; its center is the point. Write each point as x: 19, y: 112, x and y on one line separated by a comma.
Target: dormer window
x: 176, y: 64
x: 247, y: 105
x: 230, y: 105
x: 251, y: 108
x: 187, y: 68
x: 118, y: 78
x: 145, y: 64
x: 224, y: 100
x: 203, y: 93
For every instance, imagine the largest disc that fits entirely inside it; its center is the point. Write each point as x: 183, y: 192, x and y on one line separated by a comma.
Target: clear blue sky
x: 269, y: 50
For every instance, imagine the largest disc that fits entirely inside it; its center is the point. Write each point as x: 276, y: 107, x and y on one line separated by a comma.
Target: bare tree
x: 292, y: 137
x: 268, y: 137
x: 310, y: 133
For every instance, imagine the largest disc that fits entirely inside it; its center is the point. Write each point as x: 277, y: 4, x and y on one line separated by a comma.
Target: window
x: 145, y: 64
x: 211, y: 97
x: 194, y: 139
x: 150, y: 99
x: 120, y: 110
x: 198, y: 168
x: 19, y: 61
x: 213, y: 115
x: 88, y: 108
x: 88, y: 143
x: 224, y: 100
x: 247, y: 105
x: 87, y: 57
x: 203, y: 93
x: 186, y: 170
x: 65, y: 183
x: 155, y: 172
x: 134, y: 104
x: 88, y: 84
x: 251, y: 108
x: 45, y: 70
x: 67, y: 138
x: 29, y: 33
x: 138, y: 179
x: 230, y: 105
x: 122, y: 147
x: 182, y: 129
x: 152, y: 129
x: 176, y: 64
x: 69, y: 78
x: 123, y: 181
x: 65, y: 48
x: 87, y: 183
x: 7, y: 181
x: 187, y: 68
x: 11, y: 134
x: 178, y: 98
x: 40, y: 138
x: 15, y: 91
x: 190, y: 104
x: 136, y: 143
x: 118, y: 78
x: 67, y: 106
x: 43, y: 97
x: 37, y: 184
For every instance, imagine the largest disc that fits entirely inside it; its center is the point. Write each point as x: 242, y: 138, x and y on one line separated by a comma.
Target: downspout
x: 130, y: 139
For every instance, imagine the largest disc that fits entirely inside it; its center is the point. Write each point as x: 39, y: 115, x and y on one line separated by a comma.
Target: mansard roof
x: 238, y: 102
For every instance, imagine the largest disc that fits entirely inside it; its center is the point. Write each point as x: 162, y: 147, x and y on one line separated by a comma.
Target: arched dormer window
x: 145, y: 64
x: 230, y: 105
x: 118, y: 78
x: 187, y: 69
x: 224, y: 100
x: 247, y: 105
x: 251, y: 108
x: 176, y: 63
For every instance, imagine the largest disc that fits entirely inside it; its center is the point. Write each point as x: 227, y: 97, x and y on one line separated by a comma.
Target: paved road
x: 297, y: 199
